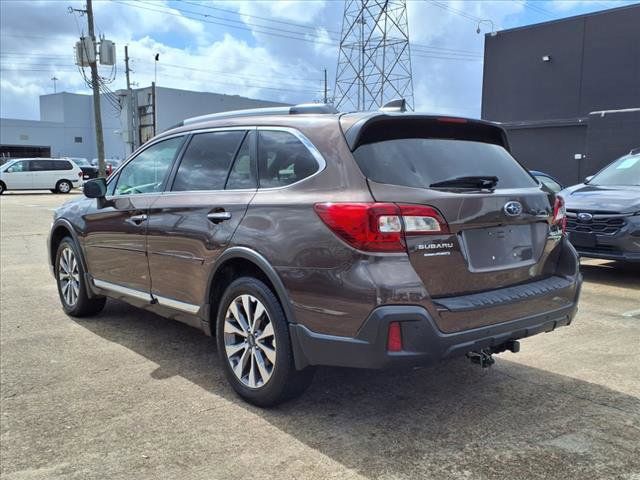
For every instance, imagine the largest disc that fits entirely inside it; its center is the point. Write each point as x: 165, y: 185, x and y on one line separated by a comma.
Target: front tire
x: 3, y: 187
x: 70, y: 280
x: 63, y: 186
x: 254, y: 345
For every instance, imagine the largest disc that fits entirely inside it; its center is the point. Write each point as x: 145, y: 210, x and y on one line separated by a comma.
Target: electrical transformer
x: 85, y: 52
x: 107, y: 51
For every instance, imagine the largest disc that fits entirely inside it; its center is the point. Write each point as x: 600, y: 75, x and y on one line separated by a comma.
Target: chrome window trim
x: 322, y: 164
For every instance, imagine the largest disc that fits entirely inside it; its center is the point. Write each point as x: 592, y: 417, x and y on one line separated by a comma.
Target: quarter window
x: 147, y: 172
x: 283, y: 159
x: 207, y: 160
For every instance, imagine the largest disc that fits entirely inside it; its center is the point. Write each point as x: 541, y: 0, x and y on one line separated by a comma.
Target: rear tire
x: 255, y: 349
x: 3, y: 187
x: 63, y: 186
x: 70, y: 280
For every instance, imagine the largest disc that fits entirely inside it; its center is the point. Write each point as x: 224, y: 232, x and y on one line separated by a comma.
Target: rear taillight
x: 559, y: 214
x: 380, y: 227
x: 80, y: 173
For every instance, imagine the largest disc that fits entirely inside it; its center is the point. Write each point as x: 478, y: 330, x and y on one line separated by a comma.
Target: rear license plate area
x: 501, y: 247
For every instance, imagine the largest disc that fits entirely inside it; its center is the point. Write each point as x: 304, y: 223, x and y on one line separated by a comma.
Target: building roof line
x: 566, y: 19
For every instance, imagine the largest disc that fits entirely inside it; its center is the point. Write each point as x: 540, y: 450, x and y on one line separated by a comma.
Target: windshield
x: 421, y: 162
x: 81, y: 162
x: 623, y: 172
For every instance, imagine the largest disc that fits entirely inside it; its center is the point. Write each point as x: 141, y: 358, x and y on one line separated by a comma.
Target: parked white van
x: 57, y: 175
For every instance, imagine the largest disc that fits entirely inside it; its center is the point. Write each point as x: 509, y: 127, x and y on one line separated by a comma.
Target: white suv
x: 57, y: 175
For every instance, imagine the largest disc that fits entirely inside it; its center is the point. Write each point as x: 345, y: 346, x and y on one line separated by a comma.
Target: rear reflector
x: 380, y: 227
x: 394, y: 337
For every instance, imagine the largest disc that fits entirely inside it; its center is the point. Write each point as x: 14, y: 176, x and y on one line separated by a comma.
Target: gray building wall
x: 547, y: 107
x: 595, y: 65
x: 64, y: 116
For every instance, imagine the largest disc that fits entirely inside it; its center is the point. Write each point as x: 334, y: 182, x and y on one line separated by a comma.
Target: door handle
x: 138, y: 219
x: 217, y: 217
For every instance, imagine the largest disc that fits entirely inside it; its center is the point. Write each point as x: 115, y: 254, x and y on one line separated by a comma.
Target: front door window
x: 147, y: 172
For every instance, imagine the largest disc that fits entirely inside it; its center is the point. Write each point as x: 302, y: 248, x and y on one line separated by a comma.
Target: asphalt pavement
x: 130, y: 395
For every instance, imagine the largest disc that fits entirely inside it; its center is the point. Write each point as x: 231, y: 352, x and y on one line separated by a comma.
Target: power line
x: 293, y: 35
x: 298, y: 25
x: 462, y: 13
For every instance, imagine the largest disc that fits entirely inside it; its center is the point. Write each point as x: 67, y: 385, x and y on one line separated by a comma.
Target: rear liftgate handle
x: 217, y: 217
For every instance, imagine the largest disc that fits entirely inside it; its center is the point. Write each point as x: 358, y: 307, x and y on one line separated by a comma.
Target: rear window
x: 420, y: 162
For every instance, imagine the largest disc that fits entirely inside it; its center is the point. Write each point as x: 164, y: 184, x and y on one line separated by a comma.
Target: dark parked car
x: 88, y: 170
x: 603, y: 213
x: 547, y: 180
x: 301, y: 237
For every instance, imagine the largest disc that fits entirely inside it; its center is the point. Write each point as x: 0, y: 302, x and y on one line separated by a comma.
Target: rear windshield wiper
x: 483, y: 182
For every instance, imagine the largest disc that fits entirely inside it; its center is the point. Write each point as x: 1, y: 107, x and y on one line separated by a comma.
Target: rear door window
x: 283, y: 159
x: 41, y: 165
x: 420, y: 162
x: 207, y: 160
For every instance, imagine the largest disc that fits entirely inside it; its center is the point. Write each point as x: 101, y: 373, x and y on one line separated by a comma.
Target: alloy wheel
x: 64, y: 187
x: 249, y: 341
x: 69, y: 276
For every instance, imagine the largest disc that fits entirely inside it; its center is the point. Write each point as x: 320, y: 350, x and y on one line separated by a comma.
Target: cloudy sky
x: 273, y: 50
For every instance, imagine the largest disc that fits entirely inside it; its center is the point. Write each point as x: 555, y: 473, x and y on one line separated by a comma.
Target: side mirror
x: 95, y: 188
x: 588, y: 179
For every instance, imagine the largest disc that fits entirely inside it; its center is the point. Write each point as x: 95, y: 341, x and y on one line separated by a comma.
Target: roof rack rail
x: 308, y: 108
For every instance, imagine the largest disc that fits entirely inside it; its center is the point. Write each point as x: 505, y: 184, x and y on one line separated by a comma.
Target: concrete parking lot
x: 129, y: 395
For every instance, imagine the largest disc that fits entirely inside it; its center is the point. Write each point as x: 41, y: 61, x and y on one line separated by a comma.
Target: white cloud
x: 285, y: 65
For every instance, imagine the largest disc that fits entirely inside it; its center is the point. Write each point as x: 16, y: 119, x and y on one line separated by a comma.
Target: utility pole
x: 126, y: 64
x: 55, y: 79
x: 326, y: 100
x: 96, y: 94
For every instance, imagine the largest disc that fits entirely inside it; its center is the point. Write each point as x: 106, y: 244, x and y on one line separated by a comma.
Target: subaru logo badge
x: 512, y: 209
x: 585, y: 217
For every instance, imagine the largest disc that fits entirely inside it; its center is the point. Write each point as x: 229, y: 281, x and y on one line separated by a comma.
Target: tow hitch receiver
x: 484, y: 356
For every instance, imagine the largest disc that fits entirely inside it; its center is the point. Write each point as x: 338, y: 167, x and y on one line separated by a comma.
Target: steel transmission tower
x: 374, y: 64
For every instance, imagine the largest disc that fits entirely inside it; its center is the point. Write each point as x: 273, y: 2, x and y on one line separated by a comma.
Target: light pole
x: 55, y: 79
x: 486, y: 20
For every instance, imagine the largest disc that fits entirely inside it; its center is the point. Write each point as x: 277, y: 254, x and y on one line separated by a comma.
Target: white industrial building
x: 66, y: 124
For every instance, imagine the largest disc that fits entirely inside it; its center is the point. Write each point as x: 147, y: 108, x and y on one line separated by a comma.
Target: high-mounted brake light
x: 559, y: 214
x: 380, y: 227
x: 451, y: 120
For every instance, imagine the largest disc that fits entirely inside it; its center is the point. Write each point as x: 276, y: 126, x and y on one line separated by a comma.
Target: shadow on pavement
x: 449, y: 421
x: 614, y: 274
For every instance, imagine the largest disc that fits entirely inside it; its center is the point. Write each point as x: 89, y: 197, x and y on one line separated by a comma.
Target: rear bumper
x: 423, y: 342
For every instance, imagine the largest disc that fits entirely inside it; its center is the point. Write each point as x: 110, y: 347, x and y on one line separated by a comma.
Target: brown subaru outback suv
x: 303, y: 237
